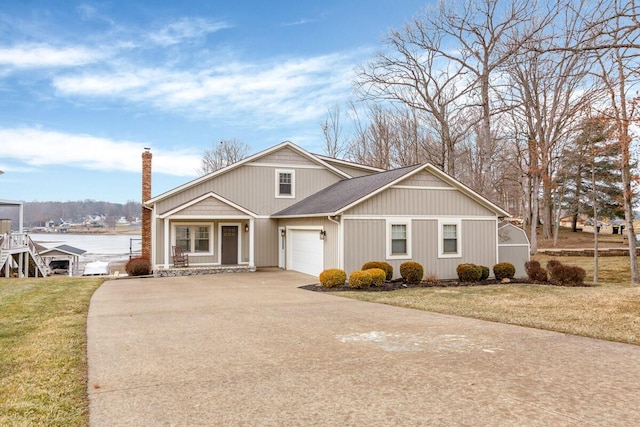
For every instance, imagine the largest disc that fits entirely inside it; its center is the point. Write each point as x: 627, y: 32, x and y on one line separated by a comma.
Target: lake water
x: 99, y: 247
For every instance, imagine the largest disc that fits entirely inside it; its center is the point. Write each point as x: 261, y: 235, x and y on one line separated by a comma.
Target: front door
x: 229, y: 251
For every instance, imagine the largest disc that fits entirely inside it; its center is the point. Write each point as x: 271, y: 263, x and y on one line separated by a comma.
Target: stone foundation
x: 195, y: 271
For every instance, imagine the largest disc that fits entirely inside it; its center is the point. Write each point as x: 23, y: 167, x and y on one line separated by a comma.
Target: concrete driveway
x: 253, y: 350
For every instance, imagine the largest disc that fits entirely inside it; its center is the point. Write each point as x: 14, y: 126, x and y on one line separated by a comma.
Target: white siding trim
x: 502, y: 245
x: 281, y: 165
x: 421, y: 217
x: 293, y: 184
x: 204, y: 197
x: 415, y: 187
x: 167, y: 243
x: 349, y: 164
x: 210, y: 217
x: 458, y: 224
x: 398, y: 221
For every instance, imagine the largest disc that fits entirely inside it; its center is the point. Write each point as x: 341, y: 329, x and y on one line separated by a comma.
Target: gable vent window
x: 285, y: 183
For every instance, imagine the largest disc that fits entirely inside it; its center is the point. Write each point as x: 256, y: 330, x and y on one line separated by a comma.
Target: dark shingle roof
x: 63, y: 248
x: 343, y: 193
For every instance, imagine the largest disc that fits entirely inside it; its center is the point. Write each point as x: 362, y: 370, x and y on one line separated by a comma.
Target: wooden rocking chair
x: 180, y: 259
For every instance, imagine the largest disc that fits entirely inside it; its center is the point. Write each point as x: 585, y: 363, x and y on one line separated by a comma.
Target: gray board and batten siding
x: 253, y: 185
x: 365, y: 241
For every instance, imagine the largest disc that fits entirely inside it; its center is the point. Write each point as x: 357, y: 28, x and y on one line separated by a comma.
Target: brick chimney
x: 146, y: 195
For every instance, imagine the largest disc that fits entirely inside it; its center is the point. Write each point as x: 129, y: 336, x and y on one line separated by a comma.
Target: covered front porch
x: 215, y: 235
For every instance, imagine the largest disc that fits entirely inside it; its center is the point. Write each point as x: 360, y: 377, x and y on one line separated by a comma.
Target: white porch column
x: 252, y: 228
x: 23, y: 267
x: 167, y: 243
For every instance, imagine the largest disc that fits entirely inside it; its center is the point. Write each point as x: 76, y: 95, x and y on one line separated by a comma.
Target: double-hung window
x: 398, y: 239
x: 194, y: 238
x: 449, y: 239
x: 285, y: 183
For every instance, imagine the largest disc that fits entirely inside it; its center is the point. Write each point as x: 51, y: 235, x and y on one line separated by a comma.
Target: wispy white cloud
x: 35, y: 147
x: 186, y: 29
x: 291, y: 90
x: 46, y: 56
x: 299, y: 22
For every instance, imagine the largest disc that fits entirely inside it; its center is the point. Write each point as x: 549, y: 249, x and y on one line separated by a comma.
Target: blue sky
x: 85, y: 86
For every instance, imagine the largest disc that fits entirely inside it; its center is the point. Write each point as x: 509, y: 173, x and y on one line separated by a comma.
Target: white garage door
x: 305, y: 251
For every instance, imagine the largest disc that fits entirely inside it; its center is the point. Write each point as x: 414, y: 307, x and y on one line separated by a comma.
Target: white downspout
x: 252, y: 228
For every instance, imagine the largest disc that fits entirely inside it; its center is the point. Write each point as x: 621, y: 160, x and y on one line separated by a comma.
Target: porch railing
x: 17, y: 242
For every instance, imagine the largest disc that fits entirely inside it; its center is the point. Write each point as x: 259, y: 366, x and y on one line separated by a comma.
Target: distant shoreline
x: 99, y: 231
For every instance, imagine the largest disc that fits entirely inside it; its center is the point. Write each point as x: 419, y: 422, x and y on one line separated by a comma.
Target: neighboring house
x: 289, y: 208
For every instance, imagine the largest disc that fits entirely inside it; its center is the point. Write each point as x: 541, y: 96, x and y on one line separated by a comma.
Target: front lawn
x: 608, y: 311
x: 43, y: 357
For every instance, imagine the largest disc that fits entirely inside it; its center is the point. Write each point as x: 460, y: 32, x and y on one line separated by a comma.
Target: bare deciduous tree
x: 548, y: 92
x: 334, y: 144
x: 223, y: 154
x: 618, y: 56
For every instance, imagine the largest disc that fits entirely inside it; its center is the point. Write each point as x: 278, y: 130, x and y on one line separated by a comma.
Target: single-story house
x: 299, y: 211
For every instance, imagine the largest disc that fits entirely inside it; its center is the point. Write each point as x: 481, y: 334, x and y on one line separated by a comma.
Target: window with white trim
x: 194, y: 238
x: 398, y: 239
x: 285, y: 183
x: 449, y: 239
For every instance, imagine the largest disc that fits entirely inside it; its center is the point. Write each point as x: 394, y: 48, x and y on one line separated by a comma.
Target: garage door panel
x: 306, y: 251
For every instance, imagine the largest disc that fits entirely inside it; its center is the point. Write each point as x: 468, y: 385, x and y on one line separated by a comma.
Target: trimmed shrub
x: 385, y: 266
x: 504, y: 270
x: 138, y: 267
x: 535, y: 272
x: 332, y: 277
x: 552, y: 263
x: 378, y: 276
x: 485, y: 273
x: 566, y: 275
x: 469, y: 272
x: 360, y: 279
x: 411, y: 272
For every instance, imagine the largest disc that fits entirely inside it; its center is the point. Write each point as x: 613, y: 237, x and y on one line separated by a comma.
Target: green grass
x: 43, y: 365
x: 610, y: 310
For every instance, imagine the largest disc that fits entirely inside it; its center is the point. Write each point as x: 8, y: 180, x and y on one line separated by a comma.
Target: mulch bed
x: 399, y: 284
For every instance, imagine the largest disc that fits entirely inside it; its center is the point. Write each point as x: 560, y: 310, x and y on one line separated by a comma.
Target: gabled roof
x: 348, y: 163
x: 347, y: 193
x: 208, y: 195
x: 342, y: 194
x: 70, y: 250
x: 285, y: 144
